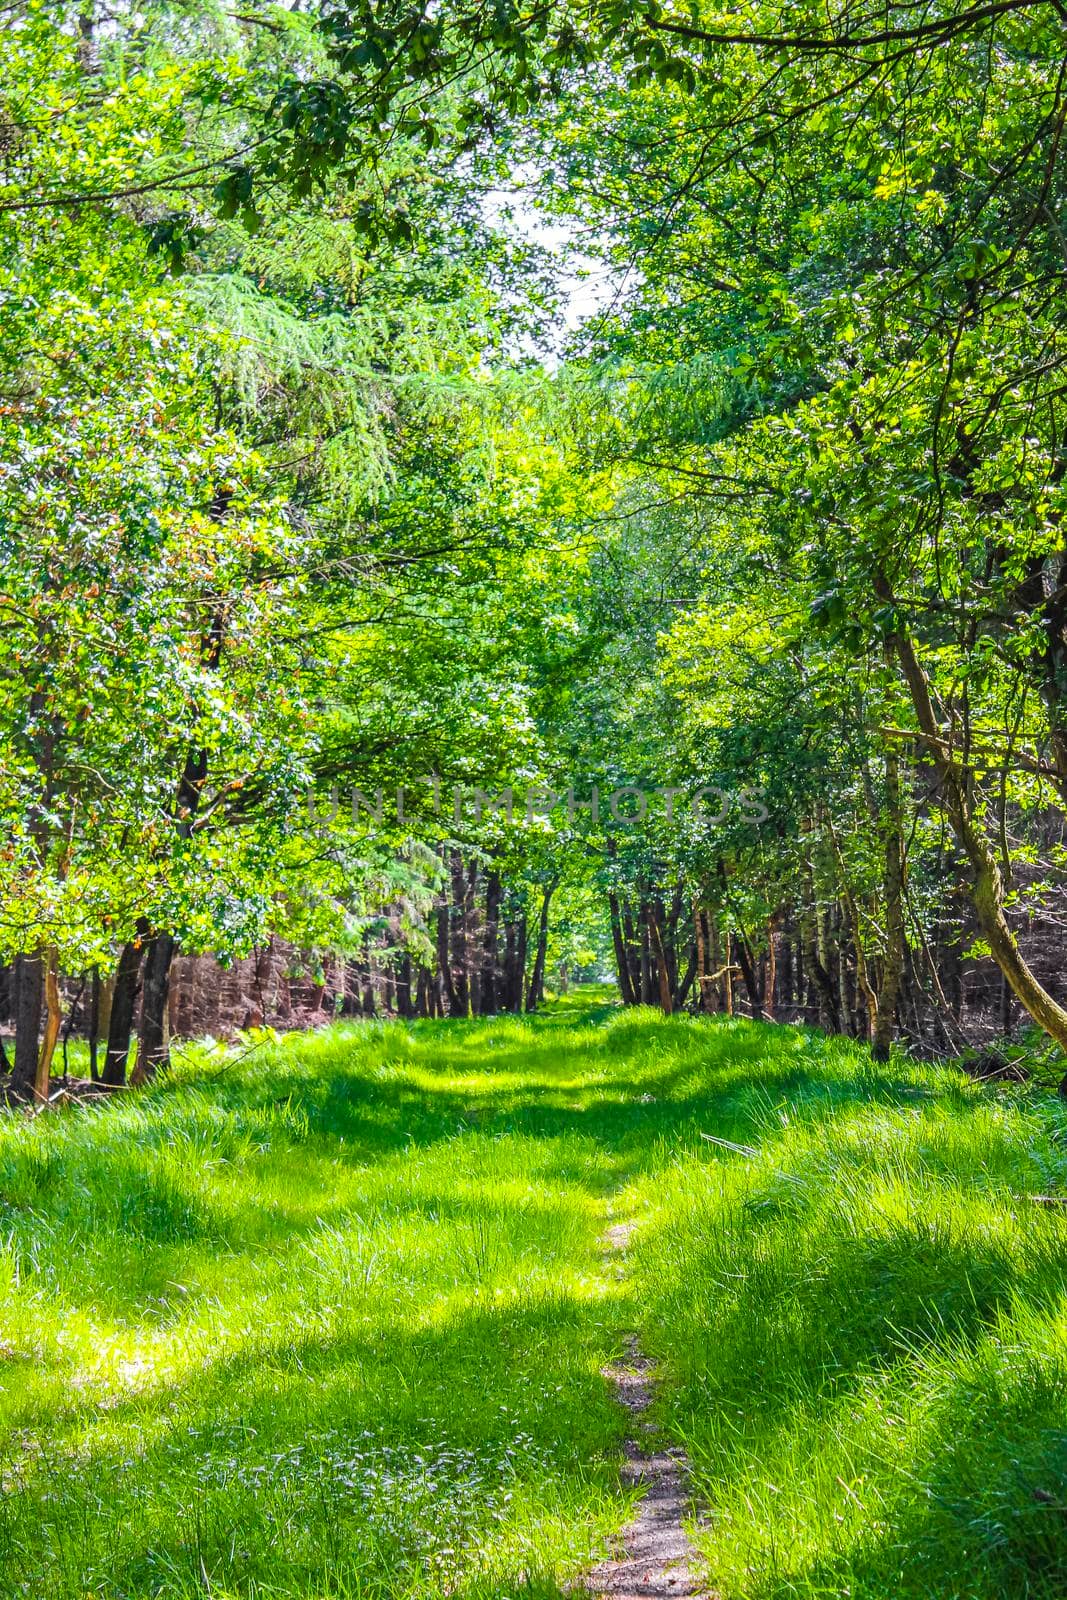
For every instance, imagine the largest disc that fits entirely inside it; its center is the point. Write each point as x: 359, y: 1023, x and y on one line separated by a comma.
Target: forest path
x: 655, y: 1557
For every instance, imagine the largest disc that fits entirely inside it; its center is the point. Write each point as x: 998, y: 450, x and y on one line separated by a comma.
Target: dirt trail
x: 655, y: 1557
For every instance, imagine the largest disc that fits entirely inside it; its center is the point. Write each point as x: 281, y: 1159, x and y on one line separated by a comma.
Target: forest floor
x: 336, y: 1319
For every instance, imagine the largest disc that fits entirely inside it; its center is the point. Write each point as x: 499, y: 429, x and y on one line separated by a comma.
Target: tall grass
x: 329, y: 1320
x: 863, y: 1318
x: 305, y: 1328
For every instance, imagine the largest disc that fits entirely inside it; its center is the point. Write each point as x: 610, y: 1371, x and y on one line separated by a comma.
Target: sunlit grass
x: 307, y: 1327
x: 863, y: 1319
x: 329, y: 1319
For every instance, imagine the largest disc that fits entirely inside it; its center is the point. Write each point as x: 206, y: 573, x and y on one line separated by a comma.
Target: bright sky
x: 586, y: 284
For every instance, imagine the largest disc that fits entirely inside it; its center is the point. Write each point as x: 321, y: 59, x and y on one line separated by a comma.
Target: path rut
x: 655, y: 1557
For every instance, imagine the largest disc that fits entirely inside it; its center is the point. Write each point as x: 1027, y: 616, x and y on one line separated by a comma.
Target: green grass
x: 865, y: 1327
x: 330, y: 1320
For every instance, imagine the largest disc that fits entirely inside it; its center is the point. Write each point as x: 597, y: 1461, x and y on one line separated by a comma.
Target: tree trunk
x: 669, y: 933
x: 813, y: 936
x: 631, y: 943
x: 646, y: 954
x: 748, y: 969
x: 893, y: 965
x: 460, y: 999
x: 828, y: 1007
x: 522, y: 940
x: 681, y: 993
x: 535, y: 991
x: 701, y: 952
x: 845, y: 986
x: 786, y: 979
x: 490, y: 958
x: 444, y: 956
x: 718, y: 962
x: 800, y: 977
x: 153, y: 1036
x: 120, y: 1024
x: 72, y: 1014
x: 655, y: 939
x: 29, y: 1003
x: 53, y: 1019
x: 770, y: 990
x: 987, y: 885
x: 863, y: 980
x: 514, y: 962
x: 370, y: 993
x: 96, y: 997
x: 622, y: 958
x: 404, y: 1006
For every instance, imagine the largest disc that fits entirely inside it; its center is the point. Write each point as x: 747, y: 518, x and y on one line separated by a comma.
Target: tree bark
x: 622, y: 958
x: 29, y: 1004
x: 120, y: 1023
x: 646, y: 953
x: 370, y: 991
x: 53, y: 1019
x: 535, y: 990
x: 770, y: 994
x: 786, y: 976
x: 633, y: 953
x: 748, y: 970
x: 94, y: 1024
x: 663, y: 976
x: 490, y: 956
x: 669, y: 932
x: 514, y: 963
x: 72, y: 1013
x: 701, y: 952
x: 404, y: 1006
x: 153, y: 1035
x: 460, y: 995
x: 444, y: 955
x: 893, y: 965
x: 681, y: 993
x: 522, y: 940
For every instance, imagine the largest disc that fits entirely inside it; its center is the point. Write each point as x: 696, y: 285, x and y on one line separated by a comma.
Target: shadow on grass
x: 375, y: 1459
x: 441, y: 1425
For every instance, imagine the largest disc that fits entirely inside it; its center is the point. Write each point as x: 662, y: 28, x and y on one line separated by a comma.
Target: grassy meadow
x: 329, y: 1318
